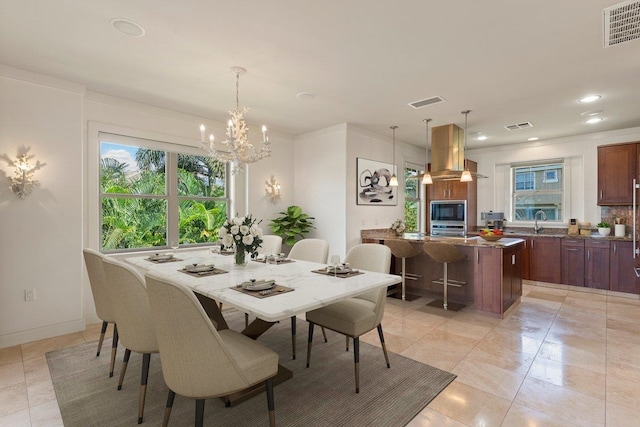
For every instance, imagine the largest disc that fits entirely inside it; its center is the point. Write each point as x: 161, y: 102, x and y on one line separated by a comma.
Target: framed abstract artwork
x: 373, y: 183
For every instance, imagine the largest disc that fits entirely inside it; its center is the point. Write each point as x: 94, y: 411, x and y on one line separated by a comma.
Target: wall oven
x: 448, y: 218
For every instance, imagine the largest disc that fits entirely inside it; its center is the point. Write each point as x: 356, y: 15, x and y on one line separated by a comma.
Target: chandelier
x: 236, y: 148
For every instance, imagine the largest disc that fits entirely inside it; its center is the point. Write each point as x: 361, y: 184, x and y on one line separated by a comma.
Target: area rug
x: 322, y: 395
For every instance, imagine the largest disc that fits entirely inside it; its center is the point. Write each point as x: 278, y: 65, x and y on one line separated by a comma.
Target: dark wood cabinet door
x: 511, y: 276
x: 622, y: 277
x: 526, y: 258
x: 488, y: 291
x: 617, y: 167
x: 439, y: 190
x: 597, y: 264
x: 573, y: 262
x: 545, y: 259
x: 458, y: 190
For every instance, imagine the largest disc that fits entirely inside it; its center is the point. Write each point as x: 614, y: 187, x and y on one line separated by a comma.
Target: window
x: 537, y: 186
x: 150, y: 196
x: 412, y: 197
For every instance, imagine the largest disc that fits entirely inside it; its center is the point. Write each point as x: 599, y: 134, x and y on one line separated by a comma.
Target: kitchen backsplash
x: 625, y: 213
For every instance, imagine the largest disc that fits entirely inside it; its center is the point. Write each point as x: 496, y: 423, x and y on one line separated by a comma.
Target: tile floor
x: 563, y: 357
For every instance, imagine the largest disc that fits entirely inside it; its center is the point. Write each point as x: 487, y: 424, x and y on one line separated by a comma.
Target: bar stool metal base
x: 407, y: 297
x: 451, y: 306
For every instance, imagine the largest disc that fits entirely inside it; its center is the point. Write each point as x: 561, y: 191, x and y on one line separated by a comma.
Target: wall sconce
x: 22, y: 183
x: 272, y: 189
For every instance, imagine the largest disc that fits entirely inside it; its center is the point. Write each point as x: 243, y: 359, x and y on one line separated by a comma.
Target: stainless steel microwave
x: 448, y: 217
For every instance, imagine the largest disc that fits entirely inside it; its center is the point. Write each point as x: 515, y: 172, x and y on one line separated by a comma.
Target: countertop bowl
x: 492, y: 237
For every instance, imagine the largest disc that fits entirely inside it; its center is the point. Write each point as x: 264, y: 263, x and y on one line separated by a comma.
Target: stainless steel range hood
x: 447, y: 153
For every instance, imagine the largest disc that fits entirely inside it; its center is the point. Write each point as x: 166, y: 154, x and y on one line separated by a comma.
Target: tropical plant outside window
x: 412, y: 197
x: 150, y: 197
x: 537, y: 187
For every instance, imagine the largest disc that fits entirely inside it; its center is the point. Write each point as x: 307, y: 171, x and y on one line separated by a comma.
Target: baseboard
x: 16, y: 338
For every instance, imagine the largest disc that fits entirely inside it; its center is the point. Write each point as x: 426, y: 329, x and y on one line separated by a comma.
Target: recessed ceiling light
x: 482, y: 138
x: 533, y: 138
x: 305, y: 95
x: 590, y: 98
x: 128, y: 27
x: 595, y: 120
x: 591, y: 113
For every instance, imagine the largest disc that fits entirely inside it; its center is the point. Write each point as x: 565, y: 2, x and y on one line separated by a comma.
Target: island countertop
x: 382, y: 235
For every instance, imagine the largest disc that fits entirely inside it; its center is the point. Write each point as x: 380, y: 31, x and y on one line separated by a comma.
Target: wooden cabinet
x: 596, y: 264
x: 498, y: 278
x: 622, y: 277
x: 545, y: 259
x: 617, y: 167
x: 511, y: 276
x: 487, y: 294
x: 456, y: 190
x: 573, y: 259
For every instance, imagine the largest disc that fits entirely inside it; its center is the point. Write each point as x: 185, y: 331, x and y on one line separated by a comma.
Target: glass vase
x: 240, y: 256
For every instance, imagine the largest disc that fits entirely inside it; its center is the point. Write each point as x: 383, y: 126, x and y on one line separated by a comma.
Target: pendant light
x: 426, y: 178
x: 466, y: 175
x: 393, y: 182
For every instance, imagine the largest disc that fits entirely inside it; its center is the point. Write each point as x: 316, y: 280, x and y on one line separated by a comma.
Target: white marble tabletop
x: 312, y: 290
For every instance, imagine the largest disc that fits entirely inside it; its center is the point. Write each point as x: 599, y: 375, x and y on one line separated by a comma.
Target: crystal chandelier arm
x: 236, y: 146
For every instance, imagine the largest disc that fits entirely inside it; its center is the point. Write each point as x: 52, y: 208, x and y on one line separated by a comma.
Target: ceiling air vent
x: 425, y: 102
x: 621, y: 23
x: 523, y: 125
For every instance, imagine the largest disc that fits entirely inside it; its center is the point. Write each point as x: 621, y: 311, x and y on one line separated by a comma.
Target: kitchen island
x: 492, y: 270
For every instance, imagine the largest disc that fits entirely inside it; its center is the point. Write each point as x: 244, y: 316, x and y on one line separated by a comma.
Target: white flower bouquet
x: 244, y: 233
x: 398, y: 226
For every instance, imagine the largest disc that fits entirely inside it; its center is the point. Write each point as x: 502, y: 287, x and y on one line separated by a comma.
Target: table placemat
x: 226, y: 253
x: 162, y: 261
x: 277, y: 289
x: 203, y: 273
x: 340, y: 275
x: 264, y: 261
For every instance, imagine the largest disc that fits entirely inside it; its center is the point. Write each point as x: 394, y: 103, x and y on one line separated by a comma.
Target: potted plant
x: 398, y: 227
x: 604, y: 228
x: 291, y: 225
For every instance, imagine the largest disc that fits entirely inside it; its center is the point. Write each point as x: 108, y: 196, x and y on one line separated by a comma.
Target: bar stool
x: 445, y: 253
x: 403, y: 249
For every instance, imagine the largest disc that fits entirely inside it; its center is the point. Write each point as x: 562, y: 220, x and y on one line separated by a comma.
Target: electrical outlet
x: 29, y: 294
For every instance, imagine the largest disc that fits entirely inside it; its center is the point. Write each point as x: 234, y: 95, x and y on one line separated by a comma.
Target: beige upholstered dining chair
x: 133, y: 316
x: 271, y: 244
x: 358, y: 315
x: 101, y: 299
x: 198, y: 361
x: 312, y: 250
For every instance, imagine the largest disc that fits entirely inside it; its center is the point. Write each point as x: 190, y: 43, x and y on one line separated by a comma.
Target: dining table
x: 299, y: 286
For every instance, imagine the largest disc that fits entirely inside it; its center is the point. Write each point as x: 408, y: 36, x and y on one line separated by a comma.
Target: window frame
x: 419, y: 199
x: 514, y: 193
x: 172, y: 150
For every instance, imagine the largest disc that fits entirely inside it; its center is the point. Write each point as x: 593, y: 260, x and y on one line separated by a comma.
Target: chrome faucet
x: 536, y: 227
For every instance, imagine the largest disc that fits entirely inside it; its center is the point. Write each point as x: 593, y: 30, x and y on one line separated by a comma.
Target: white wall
x: 42, y: 234
x: 320, y: 165
x: 580, y: 153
